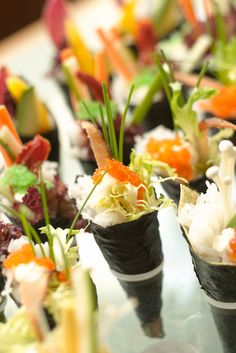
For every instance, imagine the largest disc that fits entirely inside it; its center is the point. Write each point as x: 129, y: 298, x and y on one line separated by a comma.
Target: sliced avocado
x: 28, y: 114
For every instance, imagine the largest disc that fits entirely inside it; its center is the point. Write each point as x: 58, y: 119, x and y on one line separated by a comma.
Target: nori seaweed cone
x: 173, y: 187
x: 133, y: 248
x: 219, y: 283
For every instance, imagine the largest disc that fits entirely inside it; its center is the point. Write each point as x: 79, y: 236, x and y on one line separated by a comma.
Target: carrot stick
x: 191, y: 80
x: 123, y: 65
x: 208, y: 8
x: 101, y: 67
x: 7, y: 159
x: 5, y: 119
x: 189, y: 14
x: 66, y: 53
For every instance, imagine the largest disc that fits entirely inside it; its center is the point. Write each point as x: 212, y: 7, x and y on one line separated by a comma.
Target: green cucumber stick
x: 141, y: 110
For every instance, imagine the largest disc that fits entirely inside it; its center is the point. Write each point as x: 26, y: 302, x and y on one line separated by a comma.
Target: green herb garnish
x: 19, y: 178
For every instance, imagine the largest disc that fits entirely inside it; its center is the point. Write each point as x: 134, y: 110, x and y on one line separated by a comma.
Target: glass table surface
x: 186, y: 315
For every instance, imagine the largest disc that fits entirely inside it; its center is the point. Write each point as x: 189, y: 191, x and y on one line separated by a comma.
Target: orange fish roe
x: 61, y: 276
x: 45, y: 262
x: 223, y: 104
x: 21, y: 256
x: 174, y: 153
x: 25, y: 255
x: 232, y: 248
x: 121, y: 173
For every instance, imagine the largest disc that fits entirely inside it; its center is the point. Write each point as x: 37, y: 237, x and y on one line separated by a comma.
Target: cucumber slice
x: 28, y: 114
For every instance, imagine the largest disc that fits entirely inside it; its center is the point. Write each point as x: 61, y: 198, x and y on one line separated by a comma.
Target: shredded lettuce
x: 146, y: 166
x: 19, y: 178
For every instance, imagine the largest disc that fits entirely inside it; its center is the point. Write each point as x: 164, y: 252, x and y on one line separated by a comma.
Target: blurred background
x: 17, y: 14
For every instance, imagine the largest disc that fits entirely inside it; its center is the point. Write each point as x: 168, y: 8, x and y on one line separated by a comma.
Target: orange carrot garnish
x: 223, y: 104
x: 174, y: 152
x: 101, y: 67
x: 5, y: 119
x: 66, y: 54
x: 189, y: 14
x: 123, y: 64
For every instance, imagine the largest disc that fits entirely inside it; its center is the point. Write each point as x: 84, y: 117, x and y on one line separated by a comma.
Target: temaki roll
x: 29, y: 113
x: 190, y: 149
x: 209, y: 224
x: 123, y: 214
x: 25, y: 167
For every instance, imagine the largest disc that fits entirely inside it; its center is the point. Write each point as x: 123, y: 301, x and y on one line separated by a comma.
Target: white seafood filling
x: 206, y: 225
x: 207, y: 221
x: 96, y: 208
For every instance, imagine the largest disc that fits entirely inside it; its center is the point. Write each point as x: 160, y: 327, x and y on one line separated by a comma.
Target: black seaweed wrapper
x: 53, y: 137
x: 173, y: 187
x: 133, y: 248
x: 219, y: 283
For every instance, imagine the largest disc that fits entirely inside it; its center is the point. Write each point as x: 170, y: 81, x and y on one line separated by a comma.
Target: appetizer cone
x: 190, y: 149
x: 212, y: 242
x: 123, y: 214
x: 26, y: 166
x: 29, y: 113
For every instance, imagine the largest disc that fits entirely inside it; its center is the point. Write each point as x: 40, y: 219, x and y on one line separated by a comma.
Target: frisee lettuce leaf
x: 185, y: 118
x: 19, y: 178
x: 93, y: 109
x: 146, y: 166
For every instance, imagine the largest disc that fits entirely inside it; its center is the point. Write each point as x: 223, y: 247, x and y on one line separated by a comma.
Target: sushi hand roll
x: 77, y: 326
x: 190, y: 149
x: 29, y: 113
x: 209, y: 224
x: 24, y: 167
x: 123, y: 214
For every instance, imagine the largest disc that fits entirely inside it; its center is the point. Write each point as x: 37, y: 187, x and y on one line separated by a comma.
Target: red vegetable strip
x: 54, y: 15
x: 6, y: 120
x: 34, y: 153
x: 94, y: 86
x: 146, y: 40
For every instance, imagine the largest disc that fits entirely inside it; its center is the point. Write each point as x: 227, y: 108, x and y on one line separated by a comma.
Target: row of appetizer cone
x: 121, y: 208
x: 119, y: 202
